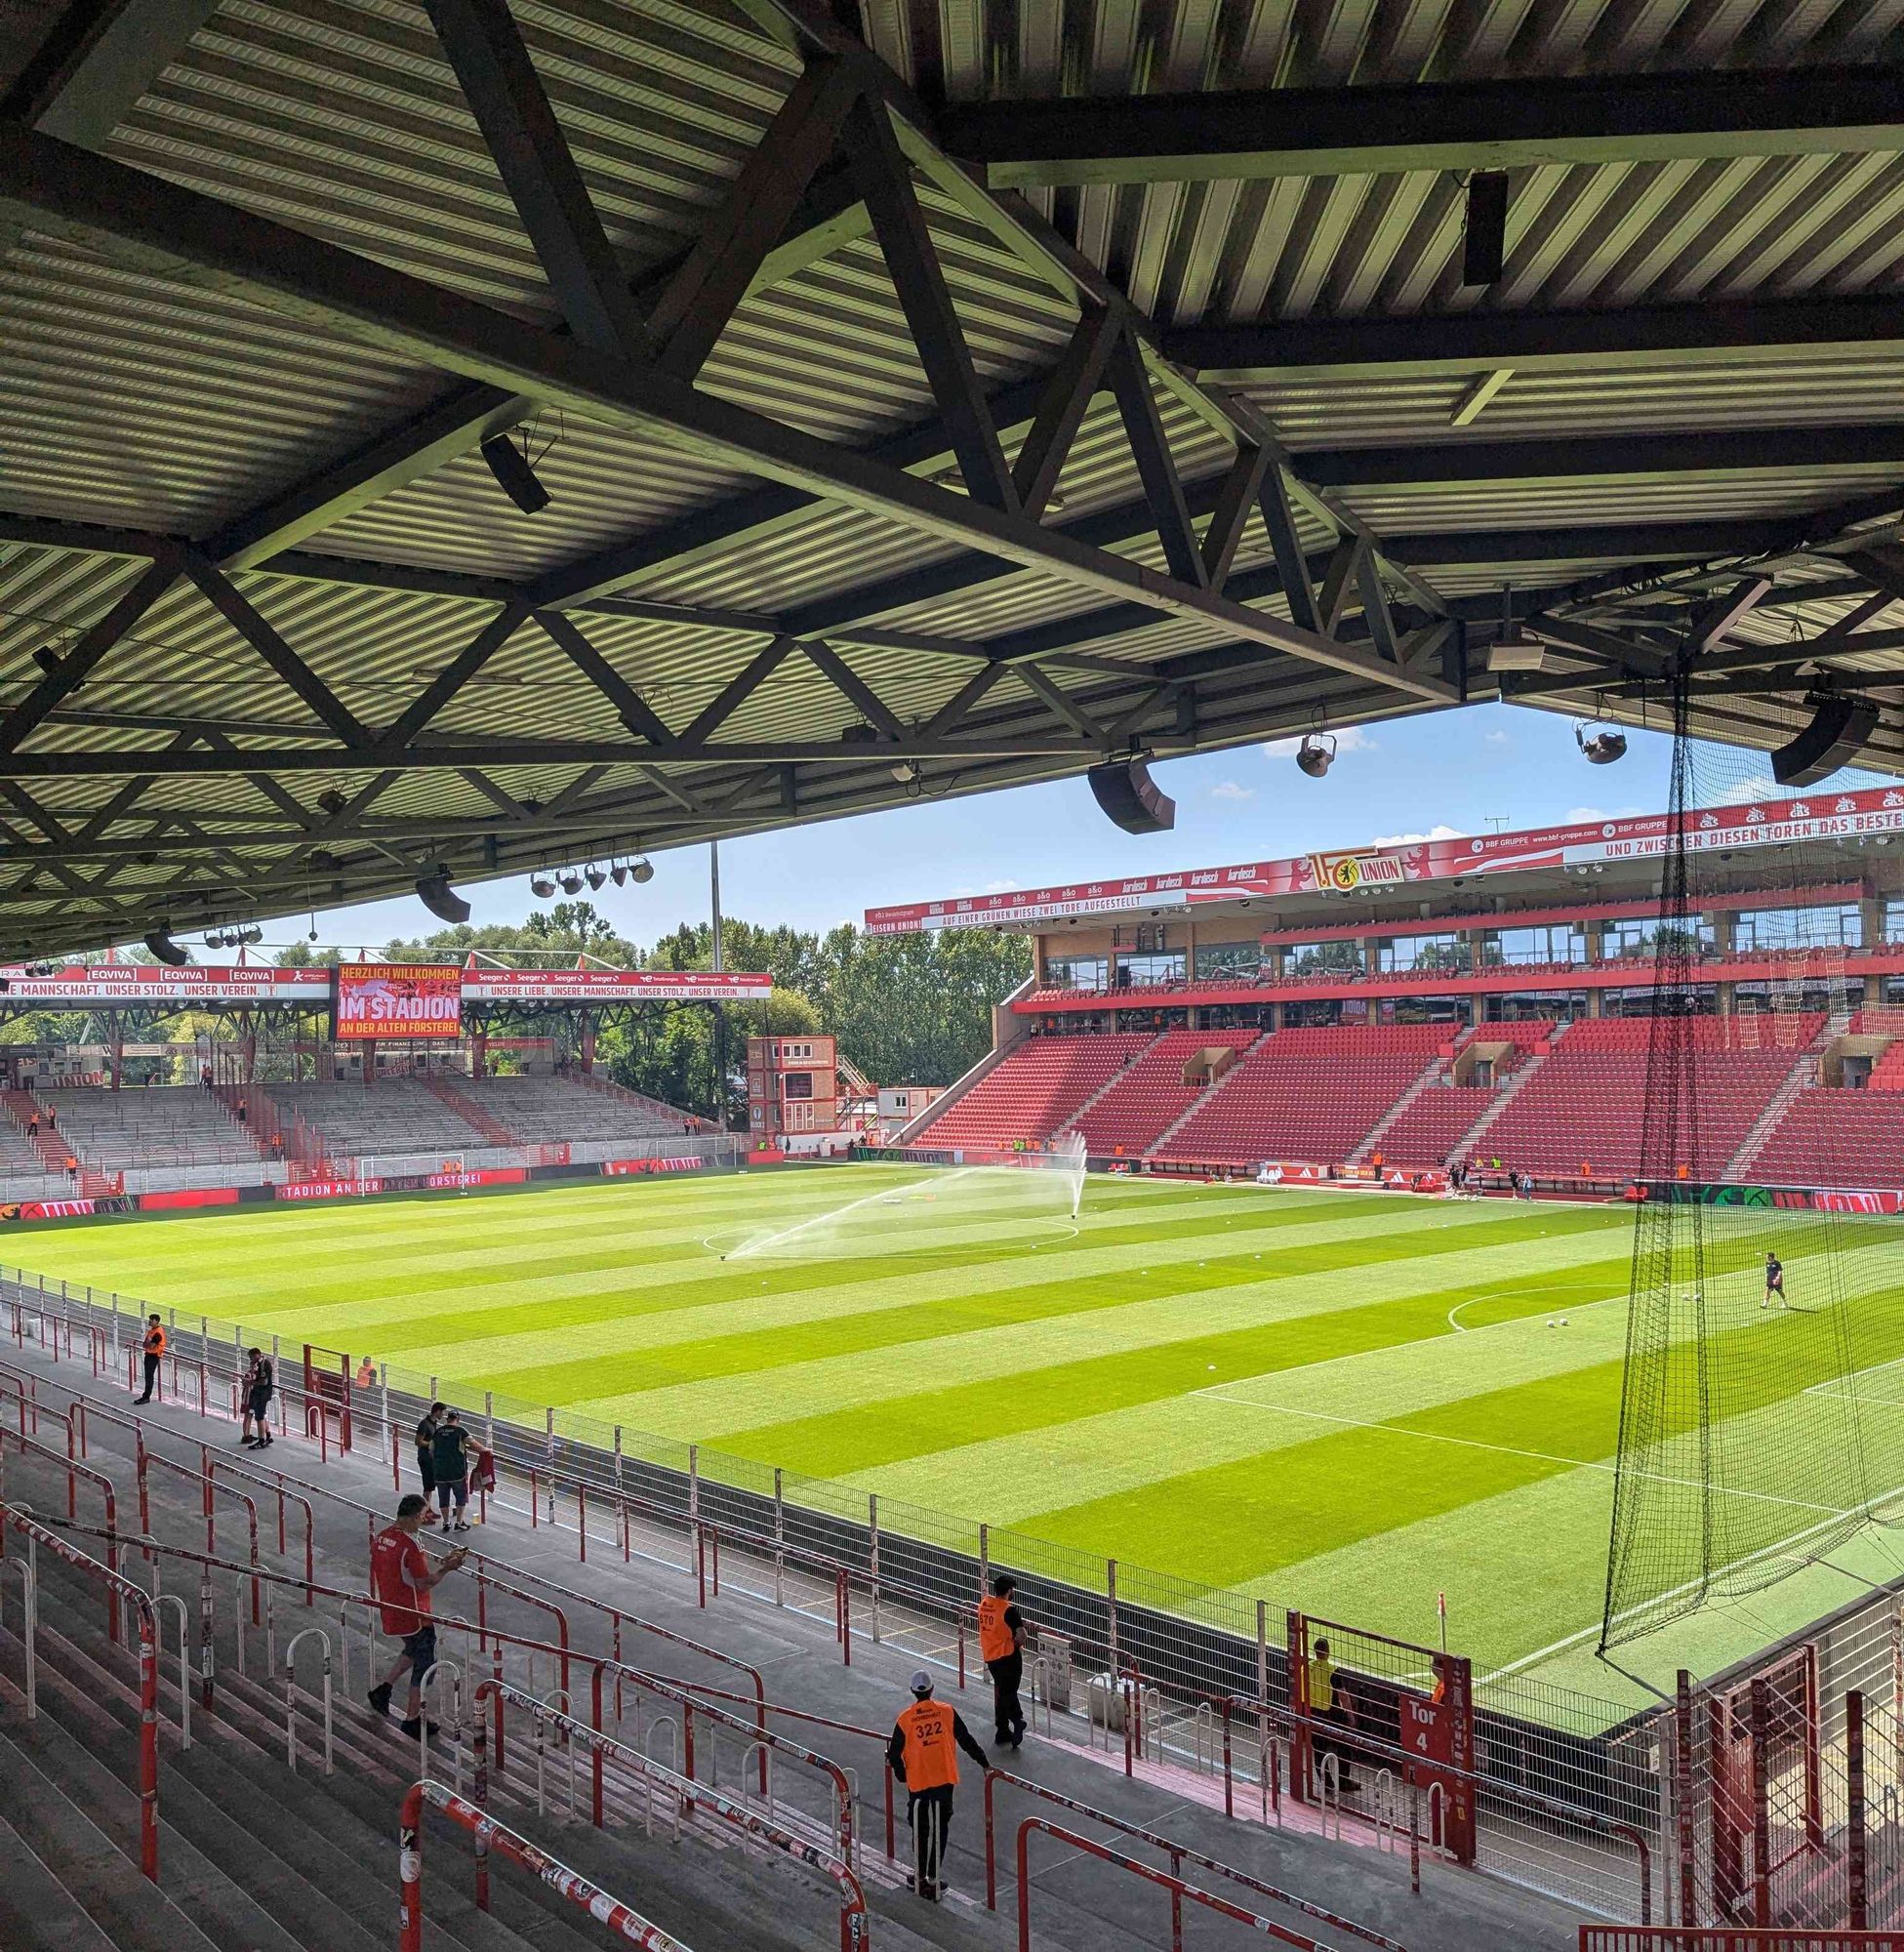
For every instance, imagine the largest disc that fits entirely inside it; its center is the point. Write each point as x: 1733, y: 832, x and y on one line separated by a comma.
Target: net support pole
x: 1683, y: 1798
x: 873, y: 1557
x: 1762, y: 1838
x: 1855, y: 1895
x: 985, y: 1558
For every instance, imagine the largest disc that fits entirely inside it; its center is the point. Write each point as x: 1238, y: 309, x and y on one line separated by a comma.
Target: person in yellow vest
x: 1001, y: 1646
x: 923, y: 1754
x: 1326, y: 1704
x: 153, y: 1345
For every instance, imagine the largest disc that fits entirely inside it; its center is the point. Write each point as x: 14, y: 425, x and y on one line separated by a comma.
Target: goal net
x: 1758, y: 1431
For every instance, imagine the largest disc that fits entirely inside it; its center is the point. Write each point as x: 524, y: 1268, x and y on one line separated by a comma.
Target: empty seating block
x: 394, y: 1116
x: 1307, y: 1095
x: 1151, y: 1095
x: 168, y: 1135
x: 1432, y: 1127
x: 1034, y: 1091
x: 1587, y: 1104
x: 1837, y: 1138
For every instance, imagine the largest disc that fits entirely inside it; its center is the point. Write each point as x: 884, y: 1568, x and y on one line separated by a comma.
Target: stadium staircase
x: 472, y: 1114
x: 1307, y: 1095
x: 1804, y: 1074
x: 258, y: 1856
x: 1491, y: 1102
x: 1037, y: 1091
x: 52, y: 1149
x: 1131, y: 1112
x: 1434, y: 1073
x: 1206, y: 1096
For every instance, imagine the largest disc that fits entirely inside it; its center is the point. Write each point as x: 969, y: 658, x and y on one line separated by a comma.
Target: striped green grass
x: 1339, y: 1400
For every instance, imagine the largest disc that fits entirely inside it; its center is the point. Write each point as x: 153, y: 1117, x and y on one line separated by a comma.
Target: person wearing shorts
x: 259, y: 1382
x: 1774, y: 1281
x: 449, y: 1463
x: 401, y: 1577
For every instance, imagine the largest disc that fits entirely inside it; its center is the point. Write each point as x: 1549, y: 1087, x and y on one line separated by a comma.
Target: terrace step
x: 1434, y: 1068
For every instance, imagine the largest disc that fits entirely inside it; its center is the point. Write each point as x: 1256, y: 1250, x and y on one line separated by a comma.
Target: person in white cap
x: 923, y: 1754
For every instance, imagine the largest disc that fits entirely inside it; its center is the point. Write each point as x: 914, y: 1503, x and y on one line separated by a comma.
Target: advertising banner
x: 614, y: 986
x: 398, y: 999
x: 1763, y: 823
x: 329, y: 1189
x: 491, y: 1175
x: 188, y: 1195
x: 104, y: 984
x: 630, y: 1169
x: 48, y: 1209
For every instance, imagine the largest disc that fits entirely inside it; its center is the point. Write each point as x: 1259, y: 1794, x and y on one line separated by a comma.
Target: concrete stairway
x: 1197, y: 1103
x: 1803, y: 1072
x: 473, y: 1114
x: 1431, y: 1071
x: 1117, y: 1077
x: 1464, y: 1146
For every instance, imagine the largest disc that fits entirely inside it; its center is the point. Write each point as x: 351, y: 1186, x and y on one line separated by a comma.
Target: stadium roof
x: 920, y: 412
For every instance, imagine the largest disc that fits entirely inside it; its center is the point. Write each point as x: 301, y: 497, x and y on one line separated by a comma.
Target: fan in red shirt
x: 401, y: 1576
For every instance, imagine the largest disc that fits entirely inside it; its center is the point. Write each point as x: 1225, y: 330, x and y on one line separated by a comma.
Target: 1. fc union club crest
x: 1347, y: 874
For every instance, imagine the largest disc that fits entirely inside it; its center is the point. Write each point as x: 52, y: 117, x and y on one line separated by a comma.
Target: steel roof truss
x: 505, y: 94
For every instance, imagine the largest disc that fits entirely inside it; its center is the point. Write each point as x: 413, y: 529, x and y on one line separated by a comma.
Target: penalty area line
x: 1504, y: 1293
x: 1536, y: 1456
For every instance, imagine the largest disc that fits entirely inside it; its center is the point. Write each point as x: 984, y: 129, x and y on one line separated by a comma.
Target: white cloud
x: 1441, y: 830
x: 1351, y: 739
x: 1231, y: 789
x: 999, y: 887
x: 1495, y: 739
x: 1583, y: 816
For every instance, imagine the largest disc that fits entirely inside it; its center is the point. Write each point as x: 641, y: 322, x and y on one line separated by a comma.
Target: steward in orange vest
x: 1001, y: 1646
x: 923, y: 1754
x: 153, y: 1347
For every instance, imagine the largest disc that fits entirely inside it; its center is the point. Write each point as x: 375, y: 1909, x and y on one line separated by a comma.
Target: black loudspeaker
x: 1838, y: 731
x: 513, y: 474
x: 1131, y: 798
x: 1485, y: 239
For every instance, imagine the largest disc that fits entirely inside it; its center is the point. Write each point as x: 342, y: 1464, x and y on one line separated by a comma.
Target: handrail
x: 618, y: 1916
x: 479, y: 1562
x: 75, y: 1469
x: 1180, y: 1854
x: 686, y: 1693
x: 854, y: 1926
x: 119, y: 1586
x: 214, y: 1464
x: 1179, y: 1891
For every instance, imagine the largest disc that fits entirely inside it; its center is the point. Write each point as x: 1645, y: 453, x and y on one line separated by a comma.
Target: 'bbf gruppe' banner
x: 398, y: 999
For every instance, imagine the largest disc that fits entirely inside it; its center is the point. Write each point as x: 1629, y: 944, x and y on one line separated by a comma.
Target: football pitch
x: 1343, y: 1401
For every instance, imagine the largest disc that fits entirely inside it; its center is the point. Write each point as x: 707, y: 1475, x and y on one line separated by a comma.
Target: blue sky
x: 1463, y: 771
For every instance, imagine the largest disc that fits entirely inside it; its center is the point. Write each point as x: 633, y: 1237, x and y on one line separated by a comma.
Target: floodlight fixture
x: 541, y: 886
x: 643, y: 870
x: 1604, y: 748
x: 1316, y: 754
x: 571, y: 882
x: 597, y: 877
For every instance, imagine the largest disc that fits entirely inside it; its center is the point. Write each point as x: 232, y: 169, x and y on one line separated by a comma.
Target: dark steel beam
x: 1461, y: 345
x: 293, y: 673
x: 885, y: 182
x: 1066, y: 398
x: 1610, y: 457
x: 633, y: 710
x: 500, y: 83
x: 96, y: 62
x: 1163, y: 490
x: 454, y: 675
x: 83, y: 657
x: 1517, y: 123
x: 702, y: 294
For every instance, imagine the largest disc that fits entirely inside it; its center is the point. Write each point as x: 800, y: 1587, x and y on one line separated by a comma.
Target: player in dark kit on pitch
x: 1774, y: 1281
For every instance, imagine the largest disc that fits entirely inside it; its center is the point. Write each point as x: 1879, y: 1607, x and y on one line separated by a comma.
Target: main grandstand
x: 1490, y: 1006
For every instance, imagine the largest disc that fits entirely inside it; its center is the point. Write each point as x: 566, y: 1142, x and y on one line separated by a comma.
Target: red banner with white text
x: 398, y: 999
